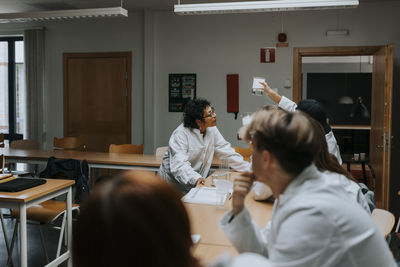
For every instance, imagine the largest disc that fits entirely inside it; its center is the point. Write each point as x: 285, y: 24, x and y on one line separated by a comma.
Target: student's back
x: 334, y: 228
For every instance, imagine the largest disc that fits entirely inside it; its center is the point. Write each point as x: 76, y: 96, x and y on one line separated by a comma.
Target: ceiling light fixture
x: 260, y: 6
x: 63, y: 14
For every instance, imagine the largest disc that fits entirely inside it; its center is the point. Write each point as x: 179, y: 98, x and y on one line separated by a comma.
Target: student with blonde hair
x: 312, y: 224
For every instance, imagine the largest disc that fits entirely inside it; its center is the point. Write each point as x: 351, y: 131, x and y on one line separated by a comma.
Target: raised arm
x: 271, y: 93
x: 282, y: 101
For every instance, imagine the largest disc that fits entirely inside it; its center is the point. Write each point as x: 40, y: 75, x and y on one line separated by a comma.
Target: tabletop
x: 91, y: 157
x: 27, y: 195
x: 205, y: 218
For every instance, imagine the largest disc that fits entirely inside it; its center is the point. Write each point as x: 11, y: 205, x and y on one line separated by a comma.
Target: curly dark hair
x: 194, y: 111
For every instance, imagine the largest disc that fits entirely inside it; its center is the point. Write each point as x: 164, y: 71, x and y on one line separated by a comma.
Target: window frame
x: 12, y: 102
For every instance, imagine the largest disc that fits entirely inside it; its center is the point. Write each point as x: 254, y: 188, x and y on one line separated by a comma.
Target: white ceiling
x: 7, y: 6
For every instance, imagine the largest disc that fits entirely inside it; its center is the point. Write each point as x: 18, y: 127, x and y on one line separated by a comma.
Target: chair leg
x: 4, y: 232
x: 9, y: 262
x: 65, y: 230
x: 61, y: 235
x: 43, y: 243
x: 5, y: 237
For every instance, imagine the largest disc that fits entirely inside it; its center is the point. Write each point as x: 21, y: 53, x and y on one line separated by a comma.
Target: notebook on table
x: 19, y: 184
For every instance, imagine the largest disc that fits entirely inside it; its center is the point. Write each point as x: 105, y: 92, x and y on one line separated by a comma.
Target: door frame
x: 128, y: 58
x: 299, y: 52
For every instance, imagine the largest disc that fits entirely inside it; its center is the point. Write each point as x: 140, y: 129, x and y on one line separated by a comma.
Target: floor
x: 36, y: 255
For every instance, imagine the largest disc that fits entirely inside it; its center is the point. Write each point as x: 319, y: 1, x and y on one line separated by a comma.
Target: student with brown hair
x: 336, y: 174
x: 133, y: 220
x: 137, y: 219
x: 312, y: 224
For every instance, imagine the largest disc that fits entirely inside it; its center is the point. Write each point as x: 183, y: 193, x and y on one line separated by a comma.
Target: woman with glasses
x: 193, y: 145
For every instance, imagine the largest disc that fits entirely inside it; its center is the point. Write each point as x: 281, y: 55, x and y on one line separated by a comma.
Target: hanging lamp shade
x: 359, y: 110
x: 346, y: 100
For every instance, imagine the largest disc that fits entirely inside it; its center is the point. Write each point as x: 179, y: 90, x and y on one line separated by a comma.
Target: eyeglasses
x: 211, y: 114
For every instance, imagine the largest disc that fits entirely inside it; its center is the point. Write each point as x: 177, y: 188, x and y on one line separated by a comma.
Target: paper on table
x: 202, y: 195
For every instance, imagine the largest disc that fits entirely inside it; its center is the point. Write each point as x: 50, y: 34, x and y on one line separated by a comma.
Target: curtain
x: 34, y: 74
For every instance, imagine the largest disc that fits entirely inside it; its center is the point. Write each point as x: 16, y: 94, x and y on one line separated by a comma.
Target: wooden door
x: 381, y: 123
x: 381, y: 109
x: 97, y: 98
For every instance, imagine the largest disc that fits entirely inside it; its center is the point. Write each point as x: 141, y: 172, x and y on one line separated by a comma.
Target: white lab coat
x: 312, y: 225
x: 333, y: 147
x: 352, y: 189
x: 189, y: 156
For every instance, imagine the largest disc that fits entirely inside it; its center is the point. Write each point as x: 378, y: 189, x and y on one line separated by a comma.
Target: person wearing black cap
x: 313, y: 108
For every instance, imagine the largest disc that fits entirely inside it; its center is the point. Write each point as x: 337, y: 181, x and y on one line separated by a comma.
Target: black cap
x: 316, y: 110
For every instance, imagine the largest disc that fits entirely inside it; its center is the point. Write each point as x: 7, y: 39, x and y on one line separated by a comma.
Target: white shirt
x: 312, y: 225
x: 190, y: 154
x: 333, y: 147
x: 352, y: 189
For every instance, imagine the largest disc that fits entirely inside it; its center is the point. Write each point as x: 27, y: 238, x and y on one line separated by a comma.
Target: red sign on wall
x: 267, y: 55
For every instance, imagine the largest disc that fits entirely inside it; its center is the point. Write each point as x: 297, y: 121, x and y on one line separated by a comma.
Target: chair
x: 126, y: 149
x: 1, y: 140
x: 69, y: 143
x: 245, y: 152
x: 45, y: 213
x: 2, y: 162
x: 384, y: 220
x: 160, y: 151
x: 25, y: 144
x: 48, y: 212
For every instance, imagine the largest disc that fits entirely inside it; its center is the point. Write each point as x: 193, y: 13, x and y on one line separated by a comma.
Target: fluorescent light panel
x: 63, y: 14
x: 261, y: 6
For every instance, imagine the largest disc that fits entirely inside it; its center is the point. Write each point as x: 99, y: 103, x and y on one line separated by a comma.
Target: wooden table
x: 95, y: 159
x: 205, y: 219
x: 29, y: 197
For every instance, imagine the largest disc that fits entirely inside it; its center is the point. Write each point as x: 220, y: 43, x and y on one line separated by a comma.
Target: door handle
x: 379, y: 146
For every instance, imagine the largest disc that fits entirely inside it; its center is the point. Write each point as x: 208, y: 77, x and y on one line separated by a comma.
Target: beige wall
x: 211, y: 46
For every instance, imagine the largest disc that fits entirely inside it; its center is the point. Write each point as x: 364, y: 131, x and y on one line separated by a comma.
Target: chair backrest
x: 384, y: 220
x: 245, y: 152
x: 2, y: 162
x: 69, y: 143
x: 24, y: 144
x: 1, y: 140
x: 126, y: 149
x: 160, y: 151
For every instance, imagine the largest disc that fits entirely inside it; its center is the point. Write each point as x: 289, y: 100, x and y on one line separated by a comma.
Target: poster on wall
x: 182, y: 88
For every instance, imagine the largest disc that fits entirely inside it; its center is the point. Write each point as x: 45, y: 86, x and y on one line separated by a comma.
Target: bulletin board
x: 182, y: 88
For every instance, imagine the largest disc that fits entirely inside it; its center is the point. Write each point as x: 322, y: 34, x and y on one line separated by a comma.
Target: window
x: 12, y: 88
